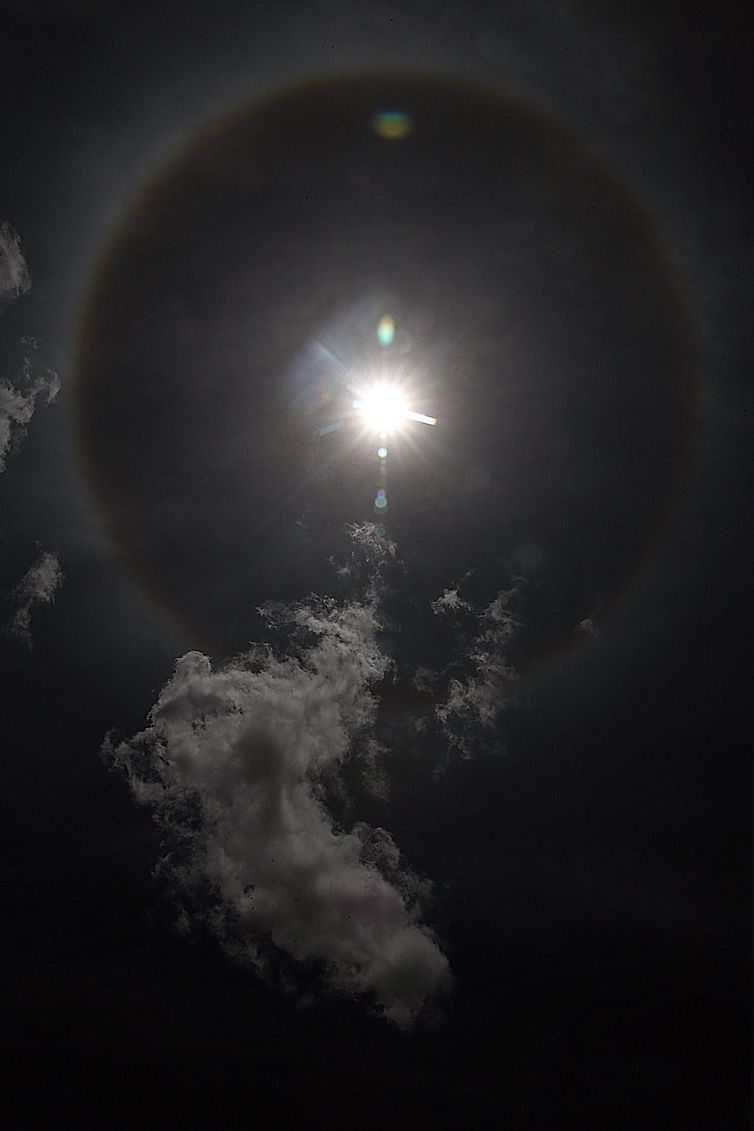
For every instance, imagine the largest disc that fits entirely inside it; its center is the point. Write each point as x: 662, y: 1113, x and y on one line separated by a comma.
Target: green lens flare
x: 386, y: 331
x: 392, y: 125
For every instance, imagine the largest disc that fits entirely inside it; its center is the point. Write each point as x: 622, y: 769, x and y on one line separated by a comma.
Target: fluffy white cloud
x: 14, y: 274
x: 38, y: 586
x: 18, y: 399
x: 234, y: 762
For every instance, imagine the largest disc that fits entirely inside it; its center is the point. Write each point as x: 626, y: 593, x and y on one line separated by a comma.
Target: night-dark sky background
x: 438, y: 817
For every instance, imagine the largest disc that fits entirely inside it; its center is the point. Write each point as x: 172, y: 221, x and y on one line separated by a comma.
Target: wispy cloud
x: 38, y: 586
x: 476, y: 697
x: 449, y: 601
x: 19, y: 399
x: 235, y: 762
x: 14, y: 273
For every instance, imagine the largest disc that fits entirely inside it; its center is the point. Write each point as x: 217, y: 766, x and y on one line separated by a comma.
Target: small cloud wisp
x: 18, y: 400
x: 14, y: 273
x: 38, y: 586
x: 476, y: 698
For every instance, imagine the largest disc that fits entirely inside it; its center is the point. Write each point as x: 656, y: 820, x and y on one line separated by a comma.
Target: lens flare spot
x: 392, y: 125
x: 385, y: 331
x: 380, y: 500
x: 382, y: 453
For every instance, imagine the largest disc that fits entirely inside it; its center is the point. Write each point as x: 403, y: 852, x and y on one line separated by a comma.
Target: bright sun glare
x: 383, y: 408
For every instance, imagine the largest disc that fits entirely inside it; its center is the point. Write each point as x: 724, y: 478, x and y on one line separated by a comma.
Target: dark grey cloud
x: 38, y: 586
x: 235, y: 762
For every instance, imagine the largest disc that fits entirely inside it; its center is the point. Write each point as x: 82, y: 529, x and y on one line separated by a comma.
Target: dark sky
x: 536, y: 682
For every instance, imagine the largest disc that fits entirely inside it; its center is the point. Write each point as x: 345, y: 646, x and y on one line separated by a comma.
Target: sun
x: 383, y: 408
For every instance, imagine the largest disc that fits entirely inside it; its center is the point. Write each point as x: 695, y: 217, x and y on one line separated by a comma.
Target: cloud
x: 369, y: 555
x: 14, y: 274
x: 450, y: 600
x: 475, y: 699
x: 38, y: 586
x: 234, y: 762
x: 18, y: 399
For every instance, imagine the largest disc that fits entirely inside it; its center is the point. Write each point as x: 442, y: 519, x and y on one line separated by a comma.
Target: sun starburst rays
x: 383, y: 408
x: 385, y: 400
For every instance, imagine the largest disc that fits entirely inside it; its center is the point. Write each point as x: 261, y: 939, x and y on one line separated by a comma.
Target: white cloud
x: 18, y: 399
x: 234, y: 762
x: 14, y: 274
x: 38, y: 586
